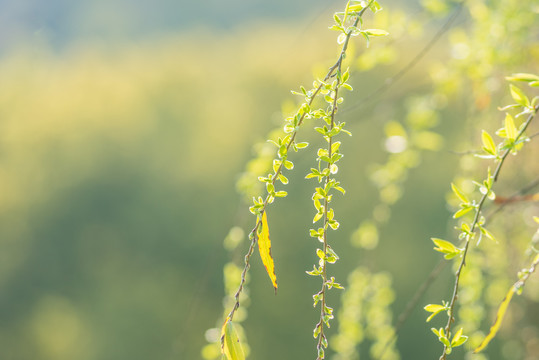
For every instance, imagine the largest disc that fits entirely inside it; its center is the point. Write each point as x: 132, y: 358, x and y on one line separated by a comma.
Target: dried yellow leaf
x: 264, y: 248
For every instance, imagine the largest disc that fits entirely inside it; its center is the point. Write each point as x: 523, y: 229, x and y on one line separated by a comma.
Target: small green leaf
x: 519, y: 96
x: 317, y: 329
x: 435, y: 309
x: 375, y: 7
x: 289, y: 165
x: 334, y: 224
x: 510, y: 128
x: 376, y: 32
x: 230, y: 342
x: 315, y: 271
x: 487, y: 233
x: 446, y: 248
x: 459, y: 194
x: 458, y: 339
x: 283, y: 179
x: 462, y: 212
x: 446, y: 342
x: 488, y: 144
x: 337, y: 19
x: 523, y: 77
x: 282, y: 150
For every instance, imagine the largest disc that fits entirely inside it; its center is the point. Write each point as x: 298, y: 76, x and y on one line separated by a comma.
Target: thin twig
x: 462, y: 153
x: 412, y: 63
x: 405, y: 314
x: 514, y: 196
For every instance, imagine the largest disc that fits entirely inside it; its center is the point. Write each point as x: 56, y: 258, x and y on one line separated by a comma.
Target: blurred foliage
x: 105, y: 156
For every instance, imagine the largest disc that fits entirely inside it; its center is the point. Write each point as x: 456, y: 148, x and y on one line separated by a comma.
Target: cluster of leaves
x: 349, y: 23
x: 480, y: 56
x: 322, y: 196
x: 512, y: 141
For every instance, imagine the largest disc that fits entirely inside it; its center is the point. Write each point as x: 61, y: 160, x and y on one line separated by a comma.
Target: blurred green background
x: 123, y: 128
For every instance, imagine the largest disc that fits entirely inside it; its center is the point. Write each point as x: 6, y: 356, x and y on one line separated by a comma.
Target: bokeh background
x: 124, y: 126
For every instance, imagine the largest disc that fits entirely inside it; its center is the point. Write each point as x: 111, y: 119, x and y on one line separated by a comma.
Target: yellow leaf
x: 498, y: 322
x: 264, y: 247
x: 230, y: 342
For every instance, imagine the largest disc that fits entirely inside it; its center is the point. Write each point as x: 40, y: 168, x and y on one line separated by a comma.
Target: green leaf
x: 446, y: 248
x: 510, y: 128
x: 459, y: 194
x: 435, y: 309
x: 282, y: 150
x: 283, y: 179
x: 354, y: 8
x: 337, y: 19
x: 289, y: 165
x: 523, y: 77
x: 488, y: 144
x: 376, y: 32
x: 458, y: 339
x: 317, y: 329
x: 487, y: 233
x: 334, y: 224
x: 230, y: 342
x: 446, y: 342
x: 462, y: 212
x: 519, y: 96
x: 315, y: 271
x: 375, y: 7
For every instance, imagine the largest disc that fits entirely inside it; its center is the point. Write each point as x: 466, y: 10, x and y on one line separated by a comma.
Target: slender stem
x: 410, y: 306
x: 472, y: 231
x: 413, y: 62
x: 326, y: 209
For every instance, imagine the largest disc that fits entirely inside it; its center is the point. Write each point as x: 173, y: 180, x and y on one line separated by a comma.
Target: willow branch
x: 253, y: 233
x: 471, y: 232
